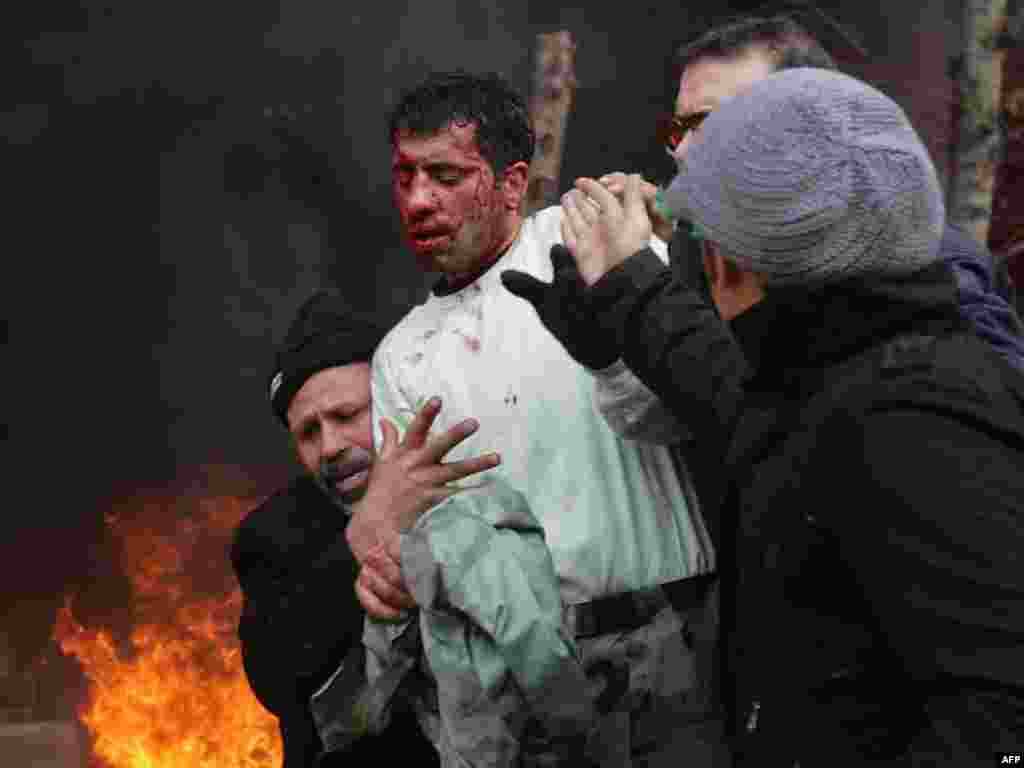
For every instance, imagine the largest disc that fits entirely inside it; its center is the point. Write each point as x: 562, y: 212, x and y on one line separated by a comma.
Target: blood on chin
x: 447, y: 261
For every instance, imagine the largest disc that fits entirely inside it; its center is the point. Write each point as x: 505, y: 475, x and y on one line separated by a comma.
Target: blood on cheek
x: 482, y: 202
x: 481, y: 191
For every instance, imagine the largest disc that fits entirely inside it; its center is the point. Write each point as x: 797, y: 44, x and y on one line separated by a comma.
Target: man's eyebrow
x: 431, y: 165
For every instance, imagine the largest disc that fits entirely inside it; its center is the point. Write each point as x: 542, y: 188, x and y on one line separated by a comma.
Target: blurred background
x: 185, y: 174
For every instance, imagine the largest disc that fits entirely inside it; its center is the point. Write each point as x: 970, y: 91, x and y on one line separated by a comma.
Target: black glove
x: 565, y: 310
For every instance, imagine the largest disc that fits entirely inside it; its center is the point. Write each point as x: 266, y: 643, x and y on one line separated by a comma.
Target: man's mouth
x: 350, y: 476
x: 429, y: 240
x: 353, y: 481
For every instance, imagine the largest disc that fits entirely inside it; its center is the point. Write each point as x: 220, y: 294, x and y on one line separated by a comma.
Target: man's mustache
x: 352, y: 461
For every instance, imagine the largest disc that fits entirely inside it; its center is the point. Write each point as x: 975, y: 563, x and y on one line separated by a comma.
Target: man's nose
x: 680, y: 151
x: 422, y: 196
x: 333, y: 442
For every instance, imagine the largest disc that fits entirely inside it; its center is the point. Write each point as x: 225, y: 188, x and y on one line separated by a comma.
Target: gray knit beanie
x: 811, y: 176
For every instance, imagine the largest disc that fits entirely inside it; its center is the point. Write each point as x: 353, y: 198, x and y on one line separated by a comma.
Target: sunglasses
x: 672, y: 130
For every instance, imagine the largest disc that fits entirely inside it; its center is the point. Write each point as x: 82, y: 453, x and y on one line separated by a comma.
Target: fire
x: 179, y: 698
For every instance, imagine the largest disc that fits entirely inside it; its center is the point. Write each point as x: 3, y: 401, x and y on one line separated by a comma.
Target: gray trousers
x: 656, y: 690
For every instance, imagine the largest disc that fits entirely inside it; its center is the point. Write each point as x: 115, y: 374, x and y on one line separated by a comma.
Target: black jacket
x: 299, y: 618
x: 870, y: 463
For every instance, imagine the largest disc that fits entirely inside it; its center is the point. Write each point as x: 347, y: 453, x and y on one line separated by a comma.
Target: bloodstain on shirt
x: 472, y: 343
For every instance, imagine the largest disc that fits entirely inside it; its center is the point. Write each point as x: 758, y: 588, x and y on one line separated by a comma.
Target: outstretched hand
x: 407, y: 478
x: 615, y: 183
x: 600, y: 232
x: 564, y: 309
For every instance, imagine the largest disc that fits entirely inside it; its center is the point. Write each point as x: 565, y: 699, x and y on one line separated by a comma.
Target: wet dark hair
x: 789, y: 44
x: 504, y: 131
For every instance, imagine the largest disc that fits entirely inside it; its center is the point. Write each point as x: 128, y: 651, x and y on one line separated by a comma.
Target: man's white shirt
x: 614, y: 514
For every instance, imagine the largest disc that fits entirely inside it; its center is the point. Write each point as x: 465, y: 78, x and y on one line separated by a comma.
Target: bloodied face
x: 457, y: 216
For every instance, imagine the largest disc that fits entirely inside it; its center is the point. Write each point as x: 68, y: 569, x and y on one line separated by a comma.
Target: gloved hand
x: 565, y: 310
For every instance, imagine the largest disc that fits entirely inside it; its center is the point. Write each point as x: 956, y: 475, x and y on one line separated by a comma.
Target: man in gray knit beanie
x: 811, y: 177
x: 871, y: 445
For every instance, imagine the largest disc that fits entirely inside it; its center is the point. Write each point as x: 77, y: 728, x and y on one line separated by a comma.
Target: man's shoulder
x: 288, y: 513
x: 945, y: 378
x: 547, y: 224
x: 414, y: 323
x: 544, y: 229
x: 969, y: 258
x: 531, y: 251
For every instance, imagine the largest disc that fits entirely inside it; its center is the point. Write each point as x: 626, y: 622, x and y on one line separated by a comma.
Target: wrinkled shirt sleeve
x: 627, y: 405
x: 631, y: 409
x: 358, y: 698
x: 480, y: 557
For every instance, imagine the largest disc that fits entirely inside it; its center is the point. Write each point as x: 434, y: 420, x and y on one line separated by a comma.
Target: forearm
x: 631, y: 409
x: 626, y: 404
x: 367, y: 533
x: 676, y: 344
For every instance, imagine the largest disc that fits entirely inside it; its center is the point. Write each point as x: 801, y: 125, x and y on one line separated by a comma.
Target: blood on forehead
x: 454, y: 143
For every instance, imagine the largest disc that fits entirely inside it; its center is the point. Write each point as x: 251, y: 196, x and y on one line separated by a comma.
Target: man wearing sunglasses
x: 713, y: 69
x: 721, y: 64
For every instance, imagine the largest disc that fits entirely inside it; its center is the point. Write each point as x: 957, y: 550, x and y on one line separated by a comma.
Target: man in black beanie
x: 300, y: 616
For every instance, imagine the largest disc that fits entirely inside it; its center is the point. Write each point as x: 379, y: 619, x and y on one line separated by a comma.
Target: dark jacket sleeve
x: 673, y: 339
x: 300, y: 614
x: 928, y: 519
x: 993, y: 318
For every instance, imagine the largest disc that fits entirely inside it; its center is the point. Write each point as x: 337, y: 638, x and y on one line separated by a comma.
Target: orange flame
x: 180, y: 699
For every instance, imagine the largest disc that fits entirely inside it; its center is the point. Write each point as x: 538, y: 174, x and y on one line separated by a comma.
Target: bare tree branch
x: 553, y: 88
x: 979, y: 142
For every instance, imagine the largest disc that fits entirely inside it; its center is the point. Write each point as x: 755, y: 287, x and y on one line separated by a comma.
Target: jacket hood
x: 801, y: 327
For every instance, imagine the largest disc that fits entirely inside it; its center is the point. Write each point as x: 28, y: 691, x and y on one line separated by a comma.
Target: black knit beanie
x: 324, y: 334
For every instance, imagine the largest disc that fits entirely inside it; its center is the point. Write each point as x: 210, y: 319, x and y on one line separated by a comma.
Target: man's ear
x: 513, y: 184
x: 732, y: 275
x: 723, y: 273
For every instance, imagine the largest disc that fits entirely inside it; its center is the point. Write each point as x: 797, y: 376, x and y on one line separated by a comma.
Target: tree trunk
x: 553, y: 87
x: 978, y: 148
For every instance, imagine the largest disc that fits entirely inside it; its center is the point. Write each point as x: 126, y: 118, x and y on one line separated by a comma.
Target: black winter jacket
x: 300, y: 617
x: 870, y: 463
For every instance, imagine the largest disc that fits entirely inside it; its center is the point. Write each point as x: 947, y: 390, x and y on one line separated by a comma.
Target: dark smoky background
x: 181, y: 176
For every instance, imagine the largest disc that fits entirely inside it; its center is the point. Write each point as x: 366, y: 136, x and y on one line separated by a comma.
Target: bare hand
x: 601, y: 233
x: 615, y: 183
x: 408, y: 478
x: 380, y: 588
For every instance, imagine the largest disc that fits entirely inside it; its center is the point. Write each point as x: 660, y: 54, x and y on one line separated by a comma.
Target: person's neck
x: 456, y: 281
